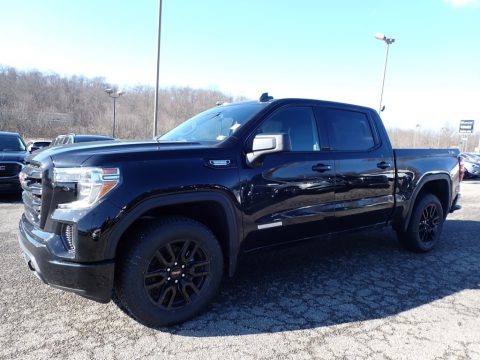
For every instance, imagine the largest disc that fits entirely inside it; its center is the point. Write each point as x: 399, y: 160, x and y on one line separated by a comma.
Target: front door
x: 289, y: 195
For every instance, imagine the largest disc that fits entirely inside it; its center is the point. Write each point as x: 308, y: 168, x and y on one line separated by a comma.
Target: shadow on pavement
x: 332, y: 282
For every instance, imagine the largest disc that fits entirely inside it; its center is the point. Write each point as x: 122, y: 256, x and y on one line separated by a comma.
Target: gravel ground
x: 355, y: 297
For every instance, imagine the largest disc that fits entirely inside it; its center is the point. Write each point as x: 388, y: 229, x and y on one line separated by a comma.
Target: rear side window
x: 349, y: 130
x: 300, y: 125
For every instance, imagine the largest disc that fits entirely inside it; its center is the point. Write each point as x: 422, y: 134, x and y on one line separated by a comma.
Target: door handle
x: 321, y: 167
x: 384, y: 165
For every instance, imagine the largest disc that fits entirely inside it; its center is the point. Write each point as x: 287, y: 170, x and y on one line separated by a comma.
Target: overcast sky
x: 317, y: 49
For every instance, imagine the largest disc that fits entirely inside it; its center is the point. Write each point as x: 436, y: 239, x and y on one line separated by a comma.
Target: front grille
x: 31, y: 181
x: 9, y: 169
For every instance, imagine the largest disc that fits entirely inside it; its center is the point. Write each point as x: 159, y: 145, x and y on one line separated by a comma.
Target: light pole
x: 417, y: 129
x: 155, y: 110
x: 387, y: 41
x: 114, y: 95
x: 442, y: 135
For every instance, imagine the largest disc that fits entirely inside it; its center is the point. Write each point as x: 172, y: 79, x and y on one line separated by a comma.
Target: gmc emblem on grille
x: 2, y: 167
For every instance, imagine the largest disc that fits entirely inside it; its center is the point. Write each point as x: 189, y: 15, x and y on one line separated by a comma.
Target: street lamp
x: 417, y: 129
x: 443, y: 134
x: 114, y: 95
x: 387, y: 41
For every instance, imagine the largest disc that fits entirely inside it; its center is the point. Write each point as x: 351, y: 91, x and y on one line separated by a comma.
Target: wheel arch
x: 221, y: 218
x: 435, y: 184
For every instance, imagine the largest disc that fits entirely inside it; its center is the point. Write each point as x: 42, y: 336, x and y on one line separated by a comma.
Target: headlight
x: 91, y: 184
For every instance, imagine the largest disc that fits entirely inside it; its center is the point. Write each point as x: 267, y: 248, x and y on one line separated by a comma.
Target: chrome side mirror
x: 267, y: 144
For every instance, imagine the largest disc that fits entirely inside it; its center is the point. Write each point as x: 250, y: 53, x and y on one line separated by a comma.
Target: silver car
x: 471, y: 164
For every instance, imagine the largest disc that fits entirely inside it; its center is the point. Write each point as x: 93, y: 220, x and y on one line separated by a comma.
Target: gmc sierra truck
x: 156, y: 224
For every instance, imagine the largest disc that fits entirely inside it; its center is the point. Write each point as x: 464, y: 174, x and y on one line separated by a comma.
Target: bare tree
x: 446, y: 138
x: 43, y: 105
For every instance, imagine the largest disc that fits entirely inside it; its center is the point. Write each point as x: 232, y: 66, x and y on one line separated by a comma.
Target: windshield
x: 213, y: 125
x: 11, y: 143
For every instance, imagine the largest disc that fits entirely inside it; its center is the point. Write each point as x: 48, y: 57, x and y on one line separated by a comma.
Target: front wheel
x: 169, y: 271
x: 425, y: 225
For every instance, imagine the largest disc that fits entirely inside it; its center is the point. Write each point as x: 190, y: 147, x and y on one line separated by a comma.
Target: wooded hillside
x: 43, y: 105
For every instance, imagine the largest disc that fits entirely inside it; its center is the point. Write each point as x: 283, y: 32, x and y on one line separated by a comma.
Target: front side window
x: 349, y: 130
x: 300, y: 125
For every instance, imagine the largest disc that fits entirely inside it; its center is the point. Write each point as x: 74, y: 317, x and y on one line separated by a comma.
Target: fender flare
x: 144, y: 206
x: 428, y: 177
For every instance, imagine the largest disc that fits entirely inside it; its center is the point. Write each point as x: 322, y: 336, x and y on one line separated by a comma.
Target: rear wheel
x: 169, y: 271
x: 425, y: 225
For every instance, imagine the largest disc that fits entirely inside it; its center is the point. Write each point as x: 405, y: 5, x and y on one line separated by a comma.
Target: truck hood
x: 81, y: 154
x: 17, y: 156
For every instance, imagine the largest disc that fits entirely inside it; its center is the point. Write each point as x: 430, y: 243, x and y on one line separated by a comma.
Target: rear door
x: 364, y: 165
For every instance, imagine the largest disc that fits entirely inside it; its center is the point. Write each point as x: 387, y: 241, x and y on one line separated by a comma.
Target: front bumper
x: 93, y: 280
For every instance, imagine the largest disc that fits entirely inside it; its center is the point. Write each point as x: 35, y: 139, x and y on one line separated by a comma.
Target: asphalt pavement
x: 355, y: 297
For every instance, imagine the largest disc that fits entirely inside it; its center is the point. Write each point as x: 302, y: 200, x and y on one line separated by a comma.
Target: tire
x: 425, y: 226
x: 169, y: 271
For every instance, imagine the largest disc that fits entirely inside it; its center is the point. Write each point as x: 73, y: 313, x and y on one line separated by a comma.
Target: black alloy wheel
x: 425, y: 226
x: 429, y: 224
x: 168, y: 271
x: 176, y: 274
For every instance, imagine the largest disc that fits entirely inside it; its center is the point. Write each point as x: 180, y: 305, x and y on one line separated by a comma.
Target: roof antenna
x: 265, y: 97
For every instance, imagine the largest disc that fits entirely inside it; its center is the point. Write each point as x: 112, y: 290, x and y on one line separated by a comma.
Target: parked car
x: 12, y: 158
x: 475, y: 156
x: 37, y: 144
x: 161, y: 222
x: 74, y: 138
x: 471, y: 165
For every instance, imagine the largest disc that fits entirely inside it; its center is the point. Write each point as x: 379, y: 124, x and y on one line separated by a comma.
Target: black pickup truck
x: 12, y: 157
x: 157, y: 223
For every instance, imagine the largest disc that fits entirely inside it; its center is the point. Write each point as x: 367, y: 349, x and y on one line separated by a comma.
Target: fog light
x: 67, y: 238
